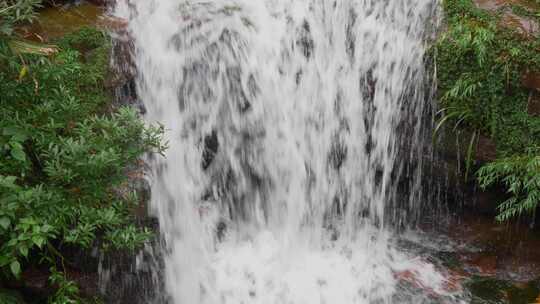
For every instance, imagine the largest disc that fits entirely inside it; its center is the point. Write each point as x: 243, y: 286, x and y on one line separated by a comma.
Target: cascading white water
x: 286, y: 121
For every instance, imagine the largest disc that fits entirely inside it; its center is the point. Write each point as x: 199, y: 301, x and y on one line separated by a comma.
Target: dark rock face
x: 450, y: 168
x: 486, y: 202
x: 121, y: 80
x: 132, y: 278
x: 119, y: 277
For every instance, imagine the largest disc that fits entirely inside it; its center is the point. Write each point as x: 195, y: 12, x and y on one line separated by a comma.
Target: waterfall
x: 291, y: 124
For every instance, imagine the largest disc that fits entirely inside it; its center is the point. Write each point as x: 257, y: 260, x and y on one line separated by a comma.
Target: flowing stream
x: 296, y: 132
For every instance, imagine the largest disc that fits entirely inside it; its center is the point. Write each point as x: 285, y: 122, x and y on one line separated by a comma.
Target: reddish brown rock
x: 482, y: 263
x: 454, y: 281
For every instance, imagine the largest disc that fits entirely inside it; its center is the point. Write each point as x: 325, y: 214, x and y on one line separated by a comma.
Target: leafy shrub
x: 14, y: 11
x: 521, y: 175
x: 63, y: 152
x: 479, y: 65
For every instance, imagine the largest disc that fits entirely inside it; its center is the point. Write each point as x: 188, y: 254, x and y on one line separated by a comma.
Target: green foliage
x: 521, y: 175
x: 63, y: 153
x: 86, y: 39
x: 66, y: 291
x: 479, y: 65
x: 15, y: 11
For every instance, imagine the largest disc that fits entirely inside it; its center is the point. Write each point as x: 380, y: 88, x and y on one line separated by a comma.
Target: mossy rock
x: 484, y: 290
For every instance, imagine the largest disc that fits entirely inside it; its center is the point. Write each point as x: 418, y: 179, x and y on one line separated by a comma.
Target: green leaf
x: 23, y: 250
x: 15, y: 268
x: 38, y: 240
x: 23, y: 72
x: 18, y: 154
x: 4, y: 260
x: 8, y: 181
x: 5, y: 222
x: 46, y: 228
x: 11, y: 130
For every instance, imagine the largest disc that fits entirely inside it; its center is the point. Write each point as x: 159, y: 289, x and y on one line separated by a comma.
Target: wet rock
x: 450, y: 169
x: 128, y: 278
x: 483, y: 264
x: 121, y: 79
x: 454, y: 282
